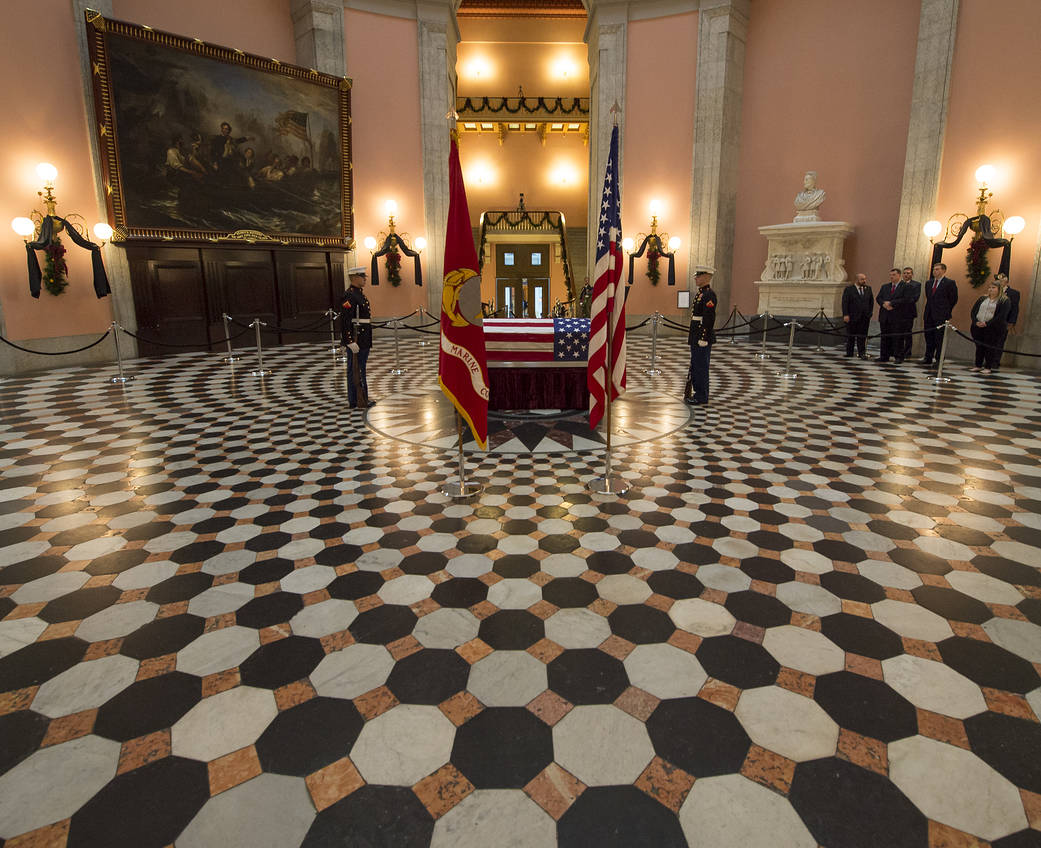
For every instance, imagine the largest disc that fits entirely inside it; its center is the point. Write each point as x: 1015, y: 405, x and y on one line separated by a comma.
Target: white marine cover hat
x: 704, y: 269
x: 358, y: 270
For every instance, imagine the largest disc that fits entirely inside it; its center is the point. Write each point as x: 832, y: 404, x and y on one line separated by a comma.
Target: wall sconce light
x: 564, y: 68
x: 482, y: 174
x: 42, y: 231
x: 387, y: 243
x: 983, y: 226
x: 656, y: 245
x: 478, y: 68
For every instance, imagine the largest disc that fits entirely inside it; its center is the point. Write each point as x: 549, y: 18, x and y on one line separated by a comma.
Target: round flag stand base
x: 608, y: 485
x: 461, y: 489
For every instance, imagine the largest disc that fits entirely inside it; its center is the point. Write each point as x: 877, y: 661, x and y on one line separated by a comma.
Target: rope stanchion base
x: 786, y: 375
x: 121, y: 378
x: 608, y: 485
x: 655, y: 371
x: 228, y: 358
x: 461, y: 489
x: 260, y: 372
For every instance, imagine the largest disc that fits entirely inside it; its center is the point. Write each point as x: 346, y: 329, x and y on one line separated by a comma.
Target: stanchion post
x: 422, y: 341
x: 334, y: 346
x: 397, y: 369
x: 120, y: 377
x: 787, y: 374
x: 820, y: 314
x: 731, y: 317
x: 260, y: 370
x: 762, y: 351
x: 939, y: 378
x: 654, y: 370
x: 230, y: 356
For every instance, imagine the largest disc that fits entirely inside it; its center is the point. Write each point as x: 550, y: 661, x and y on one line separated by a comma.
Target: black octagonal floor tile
x: 675, y: 584
x: 609, y: 562
x: 737, y: 661
x: 512, y: 630
x: 919, y: 561
x: 618, y: 817
x: 79, y: 604
x: 569, y: 592
x: 180, y: 587
x: 852, y: 587
x: 266, y: 571
x: 197, y: 552
x: 20, y: 735
x: 695, y: 553
x: 117, y: 561
x: 558, y: 543
x: 280, y: 662
x: 267, y: 610
x: 376, y: 816
x: 516, y: 566
x: 1010, y: 745
x: 338, y: 555
x: 640, y: 624
x: 399, y: 539
x: 760, y: 610
x: 31, y: 569
x: 841, y: 551
x: 587, y: 676
x: 698, y: 737
x: 502, y: 748
x: 952, y: 604
x: 866, y: 706
x: 477, y: 544
x: 425, y: 562
x: 1022, y: 839
x: 1031, y: 609
x: 39, y: 662
x: 460, y: 592
x: 428, y: 676
x: 862, y: 636
x: 845, y: 805
x: 146, y: 706
x: 771, y: 541
x: 357, y: 584
x: 383, y: 625
x: 767, y: 570
x: 309, y: 736
x: 987, y: 664
x: 1015, y: 573
x: 162, y: 636
x: 147, y: 807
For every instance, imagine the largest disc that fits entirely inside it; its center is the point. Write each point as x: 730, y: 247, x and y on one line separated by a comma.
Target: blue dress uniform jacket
x: 704, y: 308
x: 354, y: 304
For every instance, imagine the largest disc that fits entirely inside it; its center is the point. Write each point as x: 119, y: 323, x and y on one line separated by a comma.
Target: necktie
x: 935, y: 284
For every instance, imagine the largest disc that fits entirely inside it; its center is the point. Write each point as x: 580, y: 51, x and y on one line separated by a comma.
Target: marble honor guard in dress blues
x: 241, y: 617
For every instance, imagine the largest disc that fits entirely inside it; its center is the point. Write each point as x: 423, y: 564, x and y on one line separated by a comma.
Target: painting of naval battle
x: 201, y: 142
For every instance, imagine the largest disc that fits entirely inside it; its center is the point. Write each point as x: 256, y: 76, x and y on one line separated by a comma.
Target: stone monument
x: 805, y: 269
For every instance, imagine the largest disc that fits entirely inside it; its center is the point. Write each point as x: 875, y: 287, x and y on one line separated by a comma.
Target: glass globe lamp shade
x: 627, y: 245
x: 420, y: 243
x: 47, y: 172
x: 985, y: 174
x: 932, y: 229
x: 370, y: 243
x: 1014, y: 225
x: 23, y: 226
x: 103, y: 231
x: 674, y: 243
x: 391, y: 206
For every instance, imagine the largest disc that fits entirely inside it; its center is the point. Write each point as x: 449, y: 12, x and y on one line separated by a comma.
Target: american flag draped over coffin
x: 536, y: 342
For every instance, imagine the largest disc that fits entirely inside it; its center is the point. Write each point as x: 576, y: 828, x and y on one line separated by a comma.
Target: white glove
x: 702, y: 343
x: 353, y: 347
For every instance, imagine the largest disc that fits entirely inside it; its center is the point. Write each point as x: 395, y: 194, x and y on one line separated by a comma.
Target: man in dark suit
x: 1013, y: 310
x: 941, y: 293
x: 893, y: 299
x: 857, y: 306
x: 910, y: 311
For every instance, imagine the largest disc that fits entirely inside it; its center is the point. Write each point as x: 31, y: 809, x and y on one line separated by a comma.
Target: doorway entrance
x: 522, y: 281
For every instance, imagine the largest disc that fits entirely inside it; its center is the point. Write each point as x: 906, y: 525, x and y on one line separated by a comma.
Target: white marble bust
x: 808, y: 200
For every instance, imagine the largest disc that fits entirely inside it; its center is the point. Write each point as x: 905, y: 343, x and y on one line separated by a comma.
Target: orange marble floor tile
x: 999, y: 701
x: 368, y: 602
x: 945, y: 836
x: 798, y: 682
x: 52, y: 836
x: 375, y: 702
x: 661, y: 602
x: 442, y: 790
x: 749, y: 632
x: 769, y: 769
x: 542, y: 609
x: 1032, y: 807
x: 942, y: 728
x: 97, y: 650
x: 156, y: 666
x: 143, y: 750
x: 617, y: 647
x: 460, y: 708
x: 221, y: 681
x: 637, y: 703
x: 685, y: 641
x: 334, y: 642
x: 404, y: 647
x: 232, y: 769
x: 219, y: 622
x: 719, y: 693
x: 59, y: 630
x: 474, y: 650
x: 550, y: 707
x: 555, y: 790
x: 274, y: 633
x: 602, y: 607
x: 295, y: 693
x: 665, y: 783
x: 69, y: 727
x: 170, y: 610
x: 863, y: 751
x: 864, y: 666
x: 921, y: 648
x: 545, y: 650
x: 483, y: 609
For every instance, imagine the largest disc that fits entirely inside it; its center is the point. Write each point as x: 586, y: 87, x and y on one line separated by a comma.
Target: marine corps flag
x: 462, y: 368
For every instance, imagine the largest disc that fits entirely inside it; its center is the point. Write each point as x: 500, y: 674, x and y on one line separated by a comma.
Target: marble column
x: 938, y: 22
x: 722, y: 32
x: 438, y: 35
x: 1029, y: 324
x: 318, y: 31
x: 606, y: 34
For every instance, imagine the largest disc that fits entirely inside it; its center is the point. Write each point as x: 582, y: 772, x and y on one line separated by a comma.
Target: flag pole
x: 461, y: 488
x: 607, y: 484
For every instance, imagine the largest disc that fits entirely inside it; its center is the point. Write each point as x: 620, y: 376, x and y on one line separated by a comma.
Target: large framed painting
x: 206, y: 143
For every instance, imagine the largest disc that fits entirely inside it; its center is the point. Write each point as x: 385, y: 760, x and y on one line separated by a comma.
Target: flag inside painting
x: 462, y: 366
x: 607, y: 314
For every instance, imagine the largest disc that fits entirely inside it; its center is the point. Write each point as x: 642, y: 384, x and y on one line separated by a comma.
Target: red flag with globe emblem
x: 462, y: 370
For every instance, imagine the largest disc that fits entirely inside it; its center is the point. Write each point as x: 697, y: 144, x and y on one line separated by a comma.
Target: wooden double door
x: 522, y: 280
x: 180, y: 294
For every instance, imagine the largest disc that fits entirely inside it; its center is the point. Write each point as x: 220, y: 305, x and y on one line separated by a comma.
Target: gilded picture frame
x: 203, y: 143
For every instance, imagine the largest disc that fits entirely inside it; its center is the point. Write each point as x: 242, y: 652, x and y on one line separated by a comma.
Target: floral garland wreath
x: 653, y: 272
x: 976, y: 261
x: 393, y: 265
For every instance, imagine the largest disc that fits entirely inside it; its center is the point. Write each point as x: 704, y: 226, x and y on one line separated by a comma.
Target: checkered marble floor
x: 231, y: 614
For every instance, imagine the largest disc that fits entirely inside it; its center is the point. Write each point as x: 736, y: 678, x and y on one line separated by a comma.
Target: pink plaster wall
x: 382, y: 56
x: 659, y: 137
x: 993, y: 118
x: 827, y: 87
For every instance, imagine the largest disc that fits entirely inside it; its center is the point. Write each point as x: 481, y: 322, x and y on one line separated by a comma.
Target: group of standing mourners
x: 993, y: 315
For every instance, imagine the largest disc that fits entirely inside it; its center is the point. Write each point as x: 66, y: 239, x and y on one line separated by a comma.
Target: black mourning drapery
x: 391, y: 242
x: 654, y: 237
x: 101, y: 287
x: 982, y: 225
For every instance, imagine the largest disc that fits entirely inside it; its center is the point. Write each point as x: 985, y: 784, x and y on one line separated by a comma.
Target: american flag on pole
x: 608, y: 307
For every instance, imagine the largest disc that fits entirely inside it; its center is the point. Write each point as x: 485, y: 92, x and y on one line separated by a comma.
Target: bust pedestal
x: 805, y: 268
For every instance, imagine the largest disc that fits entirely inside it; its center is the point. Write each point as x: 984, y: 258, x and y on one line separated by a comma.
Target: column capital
x: 318, y: 32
